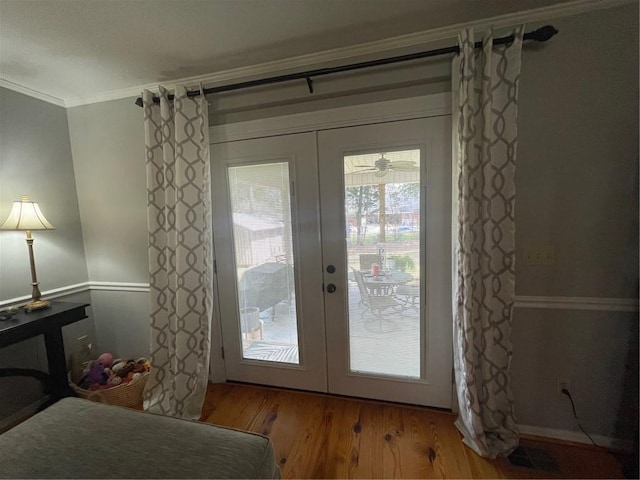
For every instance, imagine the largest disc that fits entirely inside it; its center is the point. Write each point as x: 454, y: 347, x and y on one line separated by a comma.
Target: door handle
x: 331, y: 269
x: 331, y: 288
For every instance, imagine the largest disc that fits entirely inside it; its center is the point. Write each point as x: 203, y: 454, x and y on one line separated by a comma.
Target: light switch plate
x: 544, y: 255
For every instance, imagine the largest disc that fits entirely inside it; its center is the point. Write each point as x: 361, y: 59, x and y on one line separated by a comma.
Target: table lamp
x: 25, y: 215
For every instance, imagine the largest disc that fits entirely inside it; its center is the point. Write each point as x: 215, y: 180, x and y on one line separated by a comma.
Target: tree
x: 361, y: 201
x: 402, y: 196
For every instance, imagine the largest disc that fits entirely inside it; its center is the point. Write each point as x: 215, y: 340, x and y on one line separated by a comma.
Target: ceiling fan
x: 383, y: 165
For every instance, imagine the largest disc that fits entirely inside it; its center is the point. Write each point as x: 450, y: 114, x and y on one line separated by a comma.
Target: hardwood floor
x: 323, y: 436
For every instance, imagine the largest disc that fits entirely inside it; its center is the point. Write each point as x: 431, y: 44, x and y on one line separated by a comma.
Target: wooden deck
x: 324, y: 436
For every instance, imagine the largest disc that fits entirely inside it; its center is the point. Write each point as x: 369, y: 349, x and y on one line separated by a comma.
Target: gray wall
x: 107, y: 140
x: 596, y: 351
x: 577, y: 174
x: 577, y: 191
x: 35, y: 160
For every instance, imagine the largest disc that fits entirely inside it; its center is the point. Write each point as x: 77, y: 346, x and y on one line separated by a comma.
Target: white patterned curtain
x: 180, y: 252
x: 485, y: 96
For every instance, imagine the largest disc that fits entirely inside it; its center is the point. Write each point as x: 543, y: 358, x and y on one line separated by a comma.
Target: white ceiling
x: 83, y: 49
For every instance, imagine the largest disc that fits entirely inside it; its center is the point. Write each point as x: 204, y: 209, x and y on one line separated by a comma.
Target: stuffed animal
x: 107, y: 372
x: 127, y: 369
x: 117, y: 367
x: 106, y: 359
x: 96, y: 375
x: 139, y: 368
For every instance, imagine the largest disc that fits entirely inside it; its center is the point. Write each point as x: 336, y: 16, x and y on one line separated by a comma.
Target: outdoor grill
x: 266, y: 285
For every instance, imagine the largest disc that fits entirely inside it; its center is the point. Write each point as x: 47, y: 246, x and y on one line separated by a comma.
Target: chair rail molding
x: 522, y: 301
x: 119, y: 286
x: 79, y: 288
x: 578, y: 303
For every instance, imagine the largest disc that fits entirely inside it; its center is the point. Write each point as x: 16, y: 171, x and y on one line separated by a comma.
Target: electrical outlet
x: 563, y: 384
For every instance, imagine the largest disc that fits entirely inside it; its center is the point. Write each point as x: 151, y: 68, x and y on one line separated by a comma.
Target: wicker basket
x: 125, y: 395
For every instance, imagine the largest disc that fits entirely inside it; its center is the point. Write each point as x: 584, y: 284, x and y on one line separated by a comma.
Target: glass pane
x: 382, y: 211
x: 264, y: 260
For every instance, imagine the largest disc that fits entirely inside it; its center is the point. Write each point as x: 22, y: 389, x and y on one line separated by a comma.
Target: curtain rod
x: 540, y: 35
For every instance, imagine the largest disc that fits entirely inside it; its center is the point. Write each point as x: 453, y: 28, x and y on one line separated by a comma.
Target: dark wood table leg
x: 57, y: 364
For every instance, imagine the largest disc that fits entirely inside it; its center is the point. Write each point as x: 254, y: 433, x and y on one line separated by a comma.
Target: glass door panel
x: 386, y: 229
x: 382, y: 211
x: 269, y: 264
x: 333, y: 253
x: 262, y: 237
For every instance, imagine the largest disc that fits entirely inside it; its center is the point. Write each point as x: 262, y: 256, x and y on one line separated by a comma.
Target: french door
x: 266, y: 221
x: 333, y: 256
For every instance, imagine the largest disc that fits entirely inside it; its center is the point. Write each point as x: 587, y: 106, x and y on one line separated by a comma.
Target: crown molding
x: 32, y: 93
x: 379, y: 46
x: 119, y: 94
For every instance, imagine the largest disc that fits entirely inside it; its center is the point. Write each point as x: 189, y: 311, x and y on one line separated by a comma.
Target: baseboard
x: 610, y: 443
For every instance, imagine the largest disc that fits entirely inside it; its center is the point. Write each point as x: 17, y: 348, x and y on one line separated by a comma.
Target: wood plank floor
x: 324, y: 436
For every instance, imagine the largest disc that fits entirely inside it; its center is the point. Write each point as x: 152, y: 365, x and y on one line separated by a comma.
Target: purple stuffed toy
x: 96, y: 375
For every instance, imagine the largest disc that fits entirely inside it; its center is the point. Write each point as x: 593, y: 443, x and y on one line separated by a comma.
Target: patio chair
x: 376, y: 304
x: 367, y: 259
x: 409, y: 295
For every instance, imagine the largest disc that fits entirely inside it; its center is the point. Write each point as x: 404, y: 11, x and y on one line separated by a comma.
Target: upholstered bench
x: 75, y: 438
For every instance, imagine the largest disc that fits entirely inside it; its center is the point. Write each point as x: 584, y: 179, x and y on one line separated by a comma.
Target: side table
x: 47, y: 322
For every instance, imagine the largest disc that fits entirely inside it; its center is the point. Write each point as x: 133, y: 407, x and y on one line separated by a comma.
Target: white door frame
x: 430, y: 136
x: 378, y: 112
x: 299, y: 152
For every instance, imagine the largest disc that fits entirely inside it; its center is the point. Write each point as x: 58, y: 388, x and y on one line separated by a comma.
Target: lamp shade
x: 26, y: 215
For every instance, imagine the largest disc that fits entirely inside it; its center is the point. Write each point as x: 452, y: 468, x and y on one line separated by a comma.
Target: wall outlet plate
x: 563, y: 384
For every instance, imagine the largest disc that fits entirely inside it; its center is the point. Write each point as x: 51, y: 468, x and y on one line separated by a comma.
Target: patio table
x: 385, y: 283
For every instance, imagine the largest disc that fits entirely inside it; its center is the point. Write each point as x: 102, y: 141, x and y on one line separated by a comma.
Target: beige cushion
x: 75, y: 438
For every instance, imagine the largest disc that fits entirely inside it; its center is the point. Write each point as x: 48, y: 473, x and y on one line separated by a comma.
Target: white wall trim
x: 79, y: 288
x: 578, y: 303
x: 522, y: 301
x: 119, y: 286
x: 32, y: 93
x: 353, y: 51
x: 49, y: 294
x: 558, y: 303
x: 577, y: 437
x: 365, y: 114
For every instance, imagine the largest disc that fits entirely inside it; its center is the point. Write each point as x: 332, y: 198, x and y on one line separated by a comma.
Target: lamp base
x: 37, y: 305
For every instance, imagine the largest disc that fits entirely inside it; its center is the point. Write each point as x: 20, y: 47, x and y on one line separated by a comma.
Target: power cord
x: 575, y: 415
